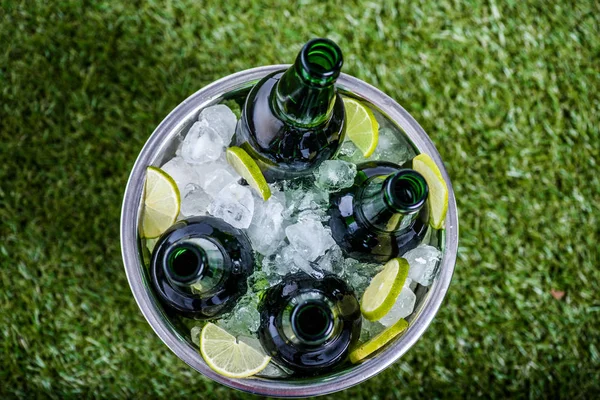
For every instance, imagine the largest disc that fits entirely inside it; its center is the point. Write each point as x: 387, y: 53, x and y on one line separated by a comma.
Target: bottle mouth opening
x: 312, y: 322
x: 406, y: 191
x: 321, y: 61
x: 185, y: 263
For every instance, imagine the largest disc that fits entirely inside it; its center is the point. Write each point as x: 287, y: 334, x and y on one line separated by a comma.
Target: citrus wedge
x: 228, y: 356
x: 382, y: 292
x: 161, y: 203
x: 150, y: 243
x: 438, y: 191
x: 368, y: 348
x: 361, y: 126
x: 249, y: 170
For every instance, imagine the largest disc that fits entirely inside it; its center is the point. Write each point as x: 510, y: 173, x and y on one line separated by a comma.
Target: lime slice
x: 438, y: 191
x: 368, y: 348
x: 384, y: 288
x: 161, y: 203
x: 249, y: 170
x: 229, y: 357
x: 150, y: 243
x: 361, y: 126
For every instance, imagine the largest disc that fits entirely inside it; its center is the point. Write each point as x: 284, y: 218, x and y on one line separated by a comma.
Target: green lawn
x: 508, y: 91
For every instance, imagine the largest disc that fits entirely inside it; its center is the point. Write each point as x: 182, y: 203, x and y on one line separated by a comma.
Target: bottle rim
x: 320, y: 62
x: 184, y: 263
x: 406, y: 191
x: 321, y: 317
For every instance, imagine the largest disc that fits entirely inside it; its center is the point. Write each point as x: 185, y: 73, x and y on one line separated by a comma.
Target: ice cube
x: 358, y: 274
x: 423, y: 261
x: 313, y: 215
x: 390, y: 148
x: 249, y: 316
x: 214, y: 177
x: 411, y: 284
x: 349, y: 152
x: 334, y: 175
x: 348, y: 149
x: 332, y: 260
x: 202, y: 144
x: 235, y: 205
x: 221, y: 119
x: 279, y: 264
x: 195, y: 201
x: 358, y: 282
x: 268, y: 266
x: 266, y: 230
x: 195, y: 335
x: 290, y: 256
x: 309, y: 238
x: 287, y: 260
x: 259, y: 280
x: 181, y: 172
x: 370, y: 329
x: 244, y: 320
x: 352, y: 266
x: 251, y: 341
x: 402, y: 308
x: 301, y: 199
x: 272, y: 370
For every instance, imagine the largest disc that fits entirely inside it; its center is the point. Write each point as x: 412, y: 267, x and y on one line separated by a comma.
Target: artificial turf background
x: 508, y: 91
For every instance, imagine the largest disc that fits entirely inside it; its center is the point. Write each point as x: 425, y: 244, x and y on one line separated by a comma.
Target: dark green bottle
x: 294, y: 119
x: 308, y: 325
x: 200, y: 266
x: 383, y: 215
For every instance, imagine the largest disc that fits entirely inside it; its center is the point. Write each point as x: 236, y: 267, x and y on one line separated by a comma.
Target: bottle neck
x: 310, y: 319
x: 194, y: 263
x: 392, y: 203
x: 305, y: 94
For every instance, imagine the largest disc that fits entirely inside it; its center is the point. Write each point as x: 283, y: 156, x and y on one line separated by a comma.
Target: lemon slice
x: 249, y: 170
x: 368, y: 348
x: 229, y: 357
x: 161, y: 203
x: 384, y: 288
x: 438, y: 191
x: 361, y: 126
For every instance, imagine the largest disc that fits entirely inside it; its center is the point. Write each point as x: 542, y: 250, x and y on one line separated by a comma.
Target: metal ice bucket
x: 162, y: 141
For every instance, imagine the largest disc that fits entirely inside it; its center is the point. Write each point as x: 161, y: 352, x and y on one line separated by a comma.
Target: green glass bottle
x: 383, y: 215
x: 309, y: 325
x: 294, y: 119
x: 200, y: 266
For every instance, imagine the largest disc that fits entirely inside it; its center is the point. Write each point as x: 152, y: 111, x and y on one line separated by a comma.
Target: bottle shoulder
x: 237, y: 264
x: 279, y: 145
x: 261, y: 118
x: 352, y: 231
x: 276, y: 314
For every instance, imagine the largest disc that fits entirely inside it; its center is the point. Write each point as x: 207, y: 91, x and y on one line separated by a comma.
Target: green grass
x: 508, y: 91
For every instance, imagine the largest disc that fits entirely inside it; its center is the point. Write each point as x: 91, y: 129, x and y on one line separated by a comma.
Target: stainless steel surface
x: 161, y: 139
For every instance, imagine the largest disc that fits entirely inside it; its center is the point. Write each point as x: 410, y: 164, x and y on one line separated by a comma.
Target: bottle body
x: 309, y: 325
x: 200, y: 266
x: 370, y: 220
x: 294, y: 119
